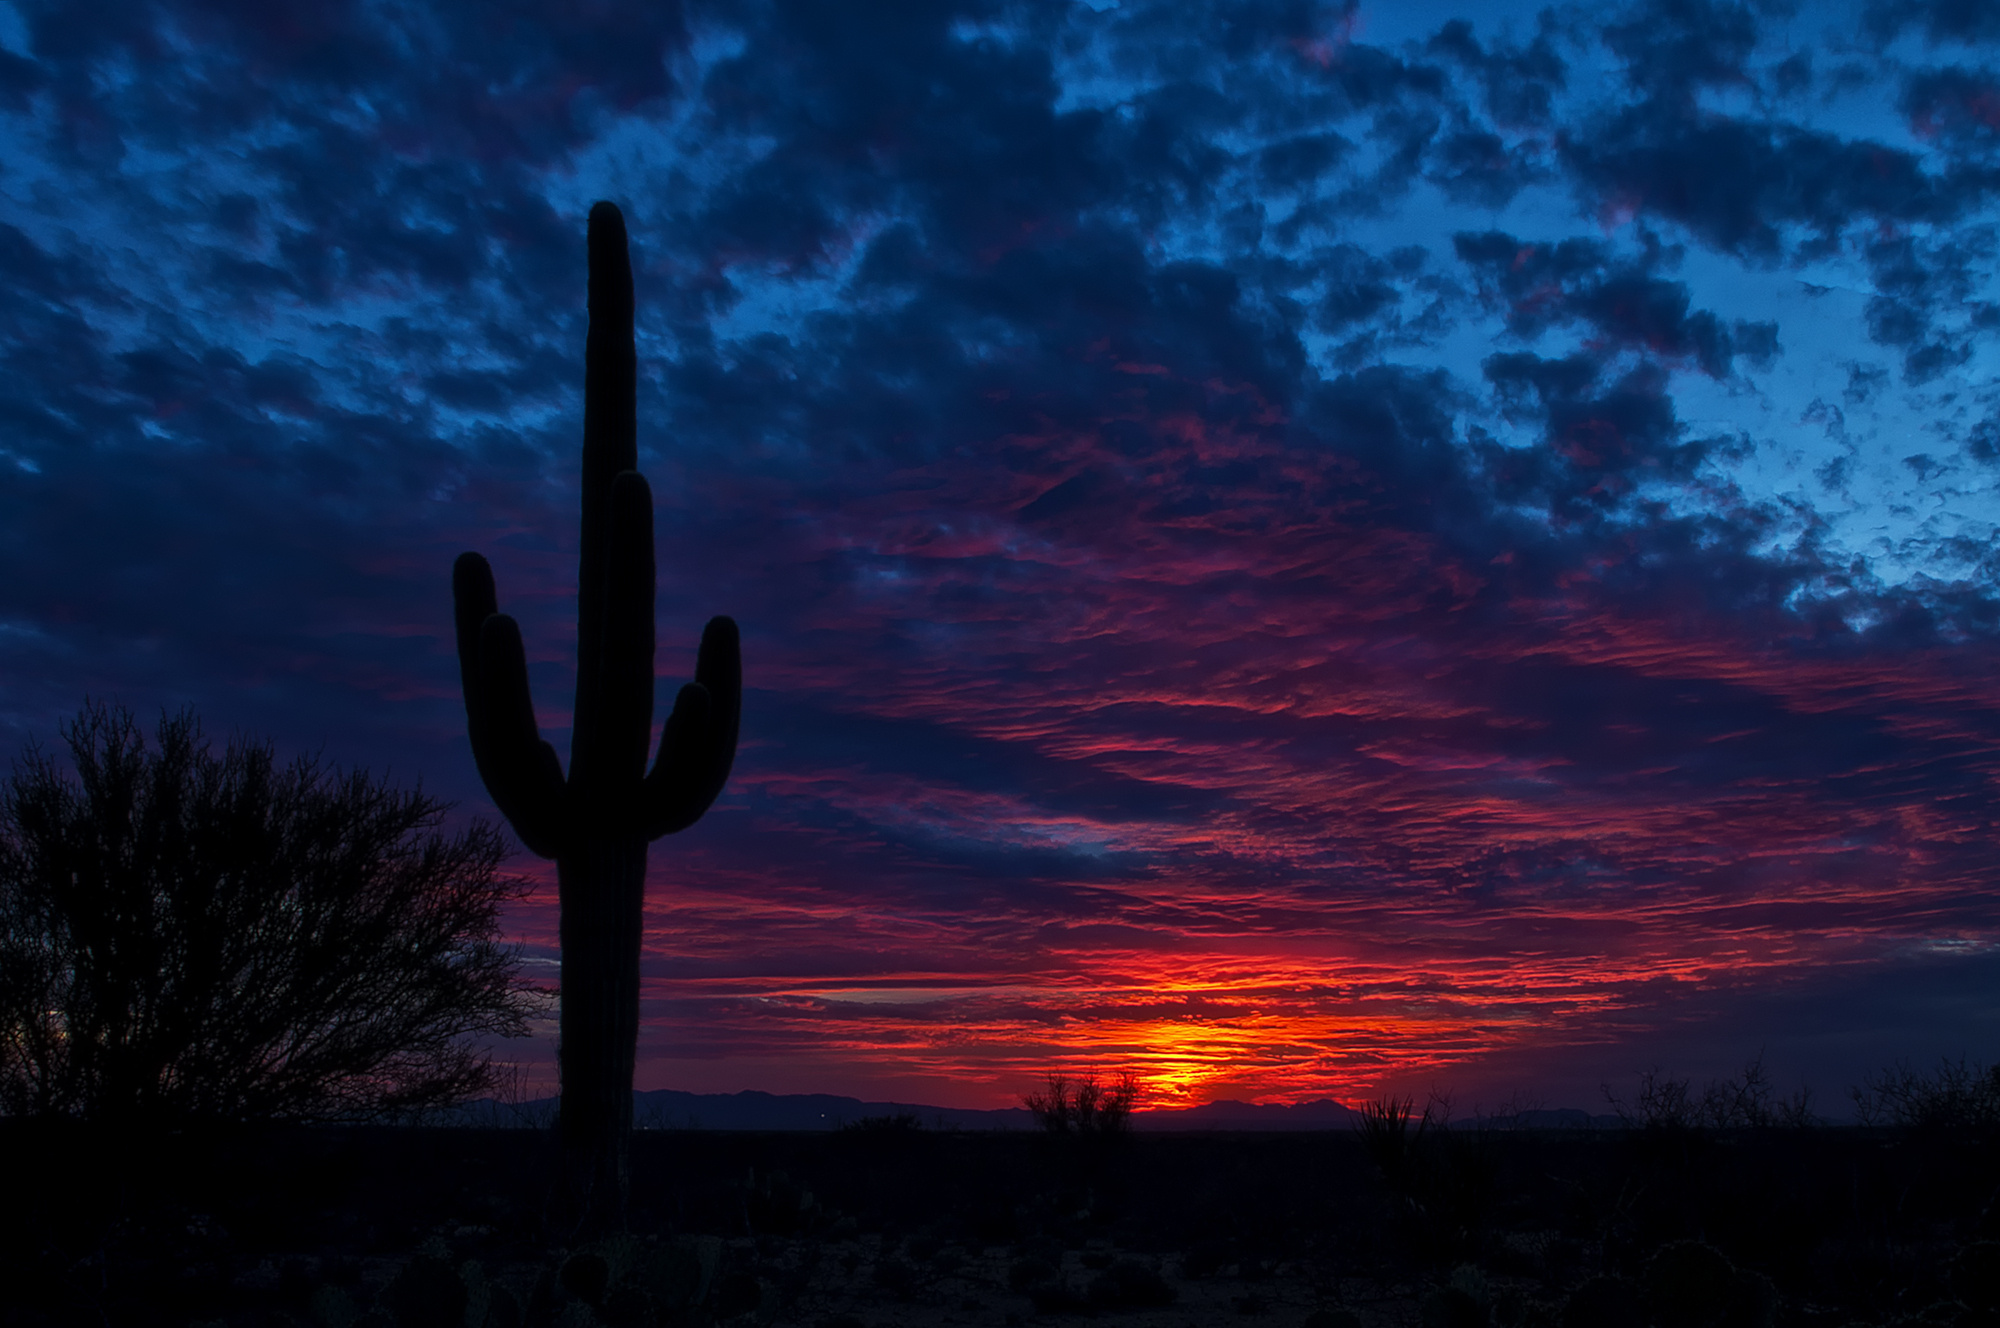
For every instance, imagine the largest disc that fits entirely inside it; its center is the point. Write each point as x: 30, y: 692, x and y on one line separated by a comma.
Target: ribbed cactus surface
x: 597, y: 822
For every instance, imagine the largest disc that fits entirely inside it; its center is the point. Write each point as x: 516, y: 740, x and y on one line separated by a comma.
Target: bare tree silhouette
x: 185, y: 937
x: 1084, y: 1107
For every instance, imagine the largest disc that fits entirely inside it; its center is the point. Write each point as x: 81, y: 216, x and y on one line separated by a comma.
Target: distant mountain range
x: 668, y: 1109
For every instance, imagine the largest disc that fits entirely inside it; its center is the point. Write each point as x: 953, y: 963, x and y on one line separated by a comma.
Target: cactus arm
x: 698, y: 744
x: 529, y: 789
x: 518, y: 769
x: 627, y: 698
x: 719, y: 667
x: 610, y: 447
x: 671, y: 798
x: 472, y: 602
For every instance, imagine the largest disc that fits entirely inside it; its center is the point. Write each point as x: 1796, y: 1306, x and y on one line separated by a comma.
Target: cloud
x: 1627, y: 306
x: 1965, y: 21
x: 1255, y: 548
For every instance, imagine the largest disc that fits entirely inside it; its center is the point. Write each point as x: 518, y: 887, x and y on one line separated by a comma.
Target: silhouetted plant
x: 586, y: 1275
x: 1389, y: 1141
x: 1446, y: 1178
x: 1604, y: 1301
x: 426, y: 1293
x: 1129, y: 1284
x: 189, y: 937
x: 1465, y: 1300
x: 1958, y: 1097
x: 1085, y: 1108
x: 597, y: 823
x: 1670, y: 1105
x: 1975, y: 1278
x: 1688, y: 1284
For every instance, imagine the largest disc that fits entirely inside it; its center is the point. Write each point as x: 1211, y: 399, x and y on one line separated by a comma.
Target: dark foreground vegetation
x: 1667, y: 1226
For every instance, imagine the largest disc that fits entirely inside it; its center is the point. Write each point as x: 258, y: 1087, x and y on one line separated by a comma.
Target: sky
x: 1299, y: 550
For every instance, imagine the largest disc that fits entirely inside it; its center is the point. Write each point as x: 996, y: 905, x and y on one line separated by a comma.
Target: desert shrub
x: 1389, y: 1141
x: 1086, y: 1107
x: 1029, y: 1272
x: 426, y: 1293
x: 1129, y: 1284
x: 1452, y: 1306
x: 1332, y: 1319
x: 1689, y: 1284
x: 1666, y: 1104
x: 774, y: 1203
x: 1957, y: 1097
x: 189, y: 937
x: 1975, y: 1277
x: 1604, y: 1301
x: 586, y: 1275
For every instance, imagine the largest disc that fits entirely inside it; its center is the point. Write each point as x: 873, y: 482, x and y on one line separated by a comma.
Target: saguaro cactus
x: 597, y: 823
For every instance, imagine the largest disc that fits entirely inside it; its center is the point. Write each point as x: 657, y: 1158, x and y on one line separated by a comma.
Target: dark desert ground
x: 886, y: 1223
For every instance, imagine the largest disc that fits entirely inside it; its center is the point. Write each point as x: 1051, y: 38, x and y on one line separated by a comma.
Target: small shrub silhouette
x: 679, y: 1273
x: 478, y: 1293
x: 1386, y: 1137
x: 1669, y: 1105
x: 775, y: 1204
x: 1030, y: 1272
x: 1086, y: 1107
x: 586, y: 1275
x: 627, y: 1306
x: 1332, y: 1319
x: 540, y: 1311
x: 503, y: 1310
x: 1129, y: 1284
x: 1689, y: 1284
x: 1465, y: 1301
x: 1058, y: 1297
x: 426, y: 1293
x: 332, y: 1307
x: 1604, y: 1301
x: 896, y: 1276
x: 1975, y: 1277
x: 741, y: 1293
x: 1450, y: 1307
x: 1204, y: 1259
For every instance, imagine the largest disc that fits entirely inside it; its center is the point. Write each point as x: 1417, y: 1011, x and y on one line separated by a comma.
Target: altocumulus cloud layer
x: 1294, y: 548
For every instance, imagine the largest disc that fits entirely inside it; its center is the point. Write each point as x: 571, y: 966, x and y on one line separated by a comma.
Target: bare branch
x: 184, y: 935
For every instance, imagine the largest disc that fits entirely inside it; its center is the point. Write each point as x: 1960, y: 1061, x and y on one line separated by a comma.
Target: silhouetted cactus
x: 597, y: 823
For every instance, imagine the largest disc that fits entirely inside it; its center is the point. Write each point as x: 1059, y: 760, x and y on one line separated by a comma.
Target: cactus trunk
x: 603, y: 887
x: 597, y: 822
